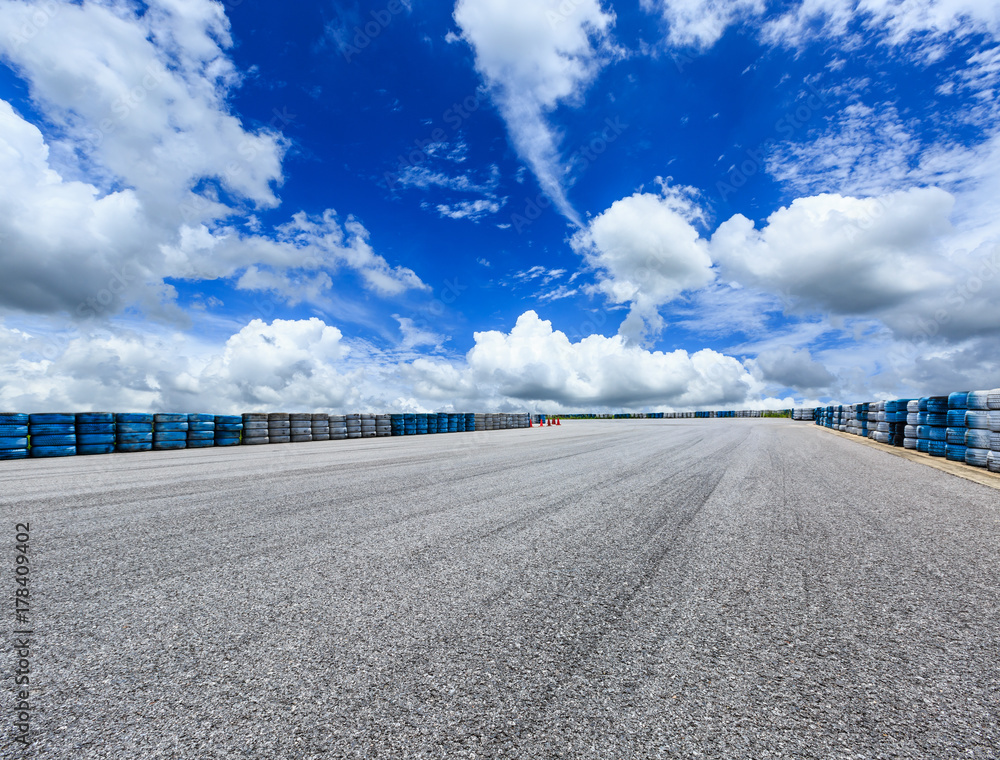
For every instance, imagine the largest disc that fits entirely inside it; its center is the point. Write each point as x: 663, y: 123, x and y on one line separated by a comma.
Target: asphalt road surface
x: 607, y: 589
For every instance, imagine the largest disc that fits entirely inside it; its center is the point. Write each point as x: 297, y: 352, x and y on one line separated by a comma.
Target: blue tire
x: 53, y: 451
x: 201, y: 435
x: 169, y: 435
x: 13, y: 431
x: 169, y: 445
x: 94, y: 439
x: 936, y: 448
x: 13, y: 454
x: 131, y: 417
x: 133, y: 427
x: 170, y: 418
x: 923, y: 445
x: 955, y: 436
x: 53, y: 440
x: 228, y: 419
x: 51, y: 419
x: 92, y: 428
x: 13, y: 443
x: 959, y: 400
x: 202, y: 426
x: 13, y: 418
x: 955, y: 453
x: 170, y: 427
x: 202, y: 444
x: 94, y: 418
x: 129, y: 438
x: 96, y: 448
x: 201, y: 418
x: 227, y: 441
x: 228, y: 427
x: 52, y: 429
x: 132, y: 447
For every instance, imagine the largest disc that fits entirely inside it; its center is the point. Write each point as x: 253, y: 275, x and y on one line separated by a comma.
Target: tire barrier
x: 353, y: 425
x: 51, y: 435
x: 228, y: 429
x: 338, y: 427
x: 320, y: 424
x: 13, y: 436
x: 367, y: 425
x: 95, y: 433
x: 170, y: 432
x: 300, y: 427
x: 133, y: 432
x: 201, y: 431
x: 255, y: 430
x: 279, y: 428
x: 961, y: 427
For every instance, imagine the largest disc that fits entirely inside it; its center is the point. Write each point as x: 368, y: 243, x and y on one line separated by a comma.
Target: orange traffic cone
x: 529, y: 421
x: 549, y: 423
x: 558, y: 422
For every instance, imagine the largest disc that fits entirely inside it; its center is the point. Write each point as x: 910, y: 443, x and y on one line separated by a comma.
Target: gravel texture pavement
x: 604, y: 589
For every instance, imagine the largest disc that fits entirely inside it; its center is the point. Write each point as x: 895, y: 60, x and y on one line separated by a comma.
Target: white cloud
x: 899, y: 22
x: 471, y: 210
x: 98, y: 204
x: 792, y: 368
x: 841, y: 254
x: 700, y: 23
x: 646, y: 251
x: 289, y: 365
x: 536, y: 55
x: 537, y: 364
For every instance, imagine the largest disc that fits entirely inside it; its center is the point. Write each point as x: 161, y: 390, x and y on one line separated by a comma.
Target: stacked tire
x: 95, y: 433
x: 52, y: 435
x: 993, y: 459
x: 910, y: 436
x: 279, y: 427
x: 255, y: 429
x: 300, y: 427
x: 937, y: 422
x: 320, y: 427
x: 170, y: 432
x: 955, y: 437
x: 422, y: 424
x: 228, y: 428
x: 396, y: 424
x: 338, y: 427
x: 885, y: 408
x: 133, y: 432
x: 383, y: 425
x: 923, y: 434
x: 13, y: 436
x: 353, y: 425
x: 410, y: 424
x: 201, y: 431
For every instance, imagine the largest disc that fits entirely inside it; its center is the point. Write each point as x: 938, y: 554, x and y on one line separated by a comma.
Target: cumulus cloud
x: 536, y: 55
x: 646, y: 250
x: 307, y: 364
x: 536, y: 364
x: 118, y: 185
x: 792, y: 368
x: 840, y: 254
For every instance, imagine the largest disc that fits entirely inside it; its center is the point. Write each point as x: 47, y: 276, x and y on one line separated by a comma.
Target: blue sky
x: 496, y: 205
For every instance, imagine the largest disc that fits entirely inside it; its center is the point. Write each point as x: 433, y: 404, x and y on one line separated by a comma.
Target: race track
x: 737, y: 588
